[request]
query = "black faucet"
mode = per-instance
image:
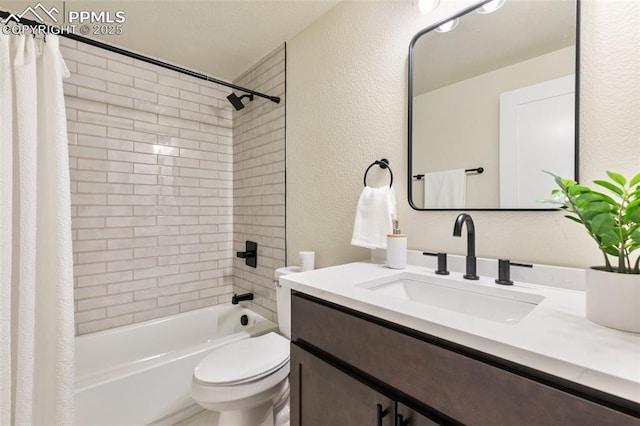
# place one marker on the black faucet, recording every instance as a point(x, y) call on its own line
point(471, 243)
point(241, 297)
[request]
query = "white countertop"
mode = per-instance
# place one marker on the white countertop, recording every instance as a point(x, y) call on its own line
point(555, 337)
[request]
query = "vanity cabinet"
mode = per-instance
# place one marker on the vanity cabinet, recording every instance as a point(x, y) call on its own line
point(329, 396)
point(345, 363)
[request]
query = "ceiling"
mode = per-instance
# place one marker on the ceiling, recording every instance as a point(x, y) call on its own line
point(220, 38)
point(520, 30)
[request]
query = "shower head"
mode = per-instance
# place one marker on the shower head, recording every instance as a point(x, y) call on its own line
point(237, 101)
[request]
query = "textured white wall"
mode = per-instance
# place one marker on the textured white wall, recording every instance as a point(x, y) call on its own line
point(347, 90)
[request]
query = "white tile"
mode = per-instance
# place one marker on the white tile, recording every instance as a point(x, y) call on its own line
point(156, 313)
point(107, 76)
point(132, 71)
point(132, 243)
point(132, 135)
point(132, 286)
point(98, 279)
point(114, 222)
point(112, 166)
point(143, 95)
point(96, 234)
point(132, 157)
point(104, 256)
point(178, 298)
point(175, 82)
point(156, 88)
point(86, 316)
point(179, 104)
point(105, 120)
point(130, 307)
point(86, 129)
point(102, 142)
point(178, 279)
point(105, 211)
point(108, 98)
point(132, 114)
point(104, 188)
point(156, 272)
point(101, 302)
point(104, 324)
point(138, 200)
point(114, 177)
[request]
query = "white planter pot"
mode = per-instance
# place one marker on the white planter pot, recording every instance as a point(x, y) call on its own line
point(613, 299)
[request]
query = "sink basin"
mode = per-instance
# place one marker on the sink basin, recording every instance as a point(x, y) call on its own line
point(469, 298)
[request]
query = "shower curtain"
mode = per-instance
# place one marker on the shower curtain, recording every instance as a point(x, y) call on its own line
point(36, 264)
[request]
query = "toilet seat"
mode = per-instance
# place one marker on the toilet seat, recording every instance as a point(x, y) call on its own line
point(243, 361)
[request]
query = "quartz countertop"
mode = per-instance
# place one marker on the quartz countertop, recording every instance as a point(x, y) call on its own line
point(555, 337)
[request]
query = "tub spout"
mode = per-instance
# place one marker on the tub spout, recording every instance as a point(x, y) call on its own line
point(241, 297)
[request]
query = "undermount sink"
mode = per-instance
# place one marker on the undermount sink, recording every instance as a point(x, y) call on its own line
point(469, 298)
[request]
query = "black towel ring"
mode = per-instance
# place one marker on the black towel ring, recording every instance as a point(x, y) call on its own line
point(384, 164)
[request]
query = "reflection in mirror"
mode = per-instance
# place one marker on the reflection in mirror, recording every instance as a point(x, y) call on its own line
point(497, 92)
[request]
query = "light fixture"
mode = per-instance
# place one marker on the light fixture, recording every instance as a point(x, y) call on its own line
point(490, 7)
point(448, 26)
point(426, 6)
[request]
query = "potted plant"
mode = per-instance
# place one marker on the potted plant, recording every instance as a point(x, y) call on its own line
point(612, 219)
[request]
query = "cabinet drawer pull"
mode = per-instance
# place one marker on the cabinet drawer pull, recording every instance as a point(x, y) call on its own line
point(381, 414)
point(400, 421)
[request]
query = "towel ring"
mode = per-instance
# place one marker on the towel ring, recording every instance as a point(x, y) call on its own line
point(384, 164)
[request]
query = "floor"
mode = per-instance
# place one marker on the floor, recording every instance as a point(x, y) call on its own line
point(203, 418)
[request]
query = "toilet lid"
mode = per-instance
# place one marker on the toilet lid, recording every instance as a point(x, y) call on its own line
point(244, 360)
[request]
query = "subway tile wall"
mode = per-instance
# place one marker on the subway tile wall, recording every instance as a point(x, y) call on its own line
point(259, 181)
point(152, 160)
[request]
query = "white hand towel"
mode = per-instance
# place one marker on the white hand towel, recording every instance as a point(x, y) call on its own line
point(374, 217)
point(447, 189)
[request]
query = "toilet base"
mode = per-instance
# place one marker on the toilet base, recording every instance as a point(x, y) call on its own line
point(261, 415)
point(270, 411)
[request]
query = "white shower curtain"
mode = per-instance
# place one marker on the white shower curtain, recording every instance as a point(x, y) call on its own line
point(36, 264)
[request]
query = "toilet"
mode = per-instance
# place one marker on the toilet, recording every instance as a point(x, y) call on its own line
point(247, 381)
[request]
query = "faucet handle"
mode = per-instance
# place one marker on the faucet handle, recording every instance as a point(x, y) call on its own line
point(504, 271)
point(442, 262)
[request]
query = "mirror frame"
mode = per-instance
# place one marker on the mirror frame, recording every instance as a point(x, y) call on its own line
point(410, 65)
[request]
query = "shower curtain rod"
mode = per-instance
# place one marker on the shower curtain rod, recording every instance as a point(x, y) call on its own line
point(105, 46)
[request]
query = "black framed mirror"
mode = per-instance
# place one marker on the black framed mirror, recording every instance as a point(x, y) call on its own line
point(492, 103)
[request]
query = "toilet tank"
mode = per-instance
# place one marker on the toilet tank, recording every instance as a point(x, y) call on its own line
point(283, 300)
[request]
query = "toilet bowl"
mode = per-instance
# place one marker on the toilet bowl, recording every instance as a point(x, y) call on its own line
point(247, 381)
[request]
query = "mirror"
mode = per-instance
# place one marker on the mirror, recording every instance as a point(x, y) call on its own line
point(492, 103)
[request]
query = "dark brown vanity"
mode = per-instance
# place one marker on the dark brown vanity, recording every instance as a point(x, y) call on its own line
point(350, 368)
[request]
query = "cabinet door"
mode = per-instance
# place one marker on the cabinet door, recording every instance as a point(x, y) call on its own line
point(322, 395)
point(405, 416)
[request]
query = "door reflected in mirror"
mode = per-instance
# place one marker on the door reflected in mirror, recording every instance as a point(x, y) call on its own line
point(497, 92)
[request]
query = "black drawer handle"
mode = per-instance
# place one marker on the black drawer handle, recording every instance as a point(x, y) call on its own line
point(400, 421)
point(381, 414)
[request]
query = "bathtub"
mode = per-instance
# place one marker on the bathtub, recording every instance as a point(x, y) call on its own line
point(141, 374)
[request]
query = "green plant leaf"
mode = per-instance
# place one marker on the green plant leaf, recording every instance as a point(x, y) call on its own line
point(573, 218)
point(601, 197)
point(611, 250)
point(603, 224)
point(635, 180)
point(611, 187)
point(610, 239)
point(617, 177)
point(632, 216)
point(574, 190)
point(635, 236)
point(598, 206)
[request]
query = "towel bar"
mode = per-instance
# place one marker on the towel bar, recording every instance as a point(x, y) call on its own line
point(384, 164)
point(478, 170)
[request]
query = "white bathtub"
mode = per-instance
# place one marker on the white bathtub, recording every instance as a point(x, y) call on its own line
point(141, 374)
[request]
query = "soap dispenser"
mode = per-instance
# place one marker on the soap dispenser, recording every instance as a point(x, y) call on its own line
point(396, 248)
